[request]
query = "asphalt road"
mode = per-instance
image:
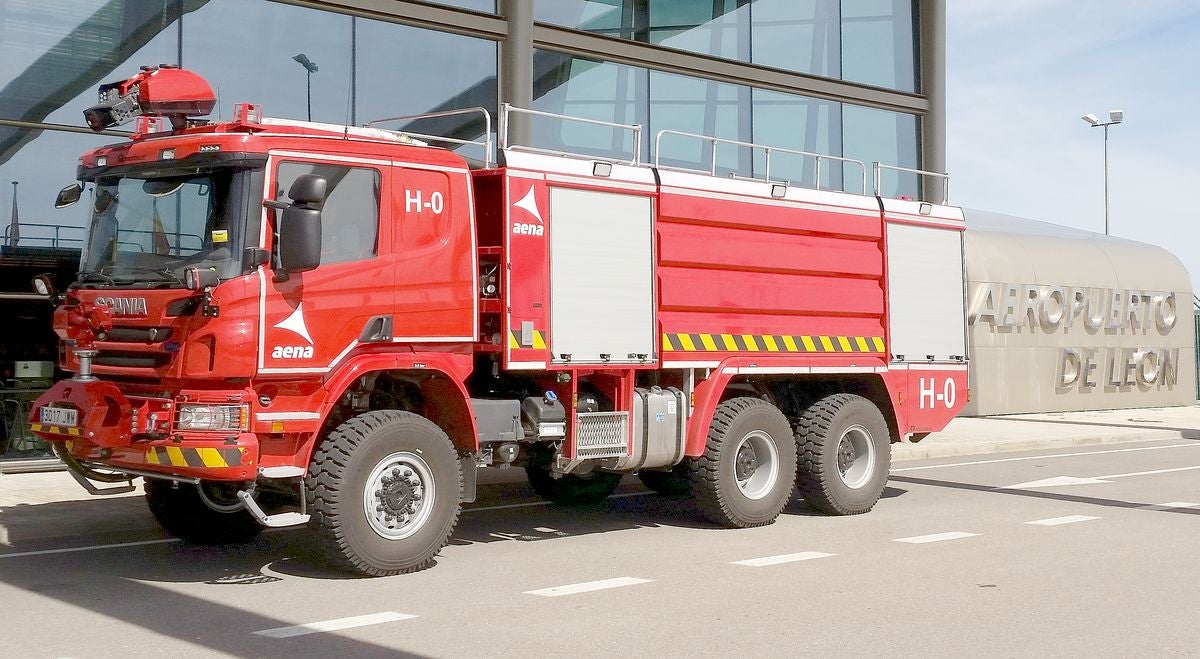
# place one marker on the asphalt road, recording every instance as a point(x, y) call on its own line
point(1093, 555)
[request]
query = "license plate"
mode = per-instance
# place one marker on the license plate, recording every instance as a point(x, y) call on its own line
point(59, 416)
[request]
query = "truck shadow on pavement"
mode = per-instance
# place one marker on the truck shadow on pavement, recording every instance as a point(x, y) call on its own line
point(1140, 424)
point(122, 587)
point(1055, 496)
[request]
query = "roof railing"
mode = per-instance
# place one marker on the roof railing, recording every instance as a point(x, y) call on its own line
point(504, 142)
point(877, 171)
point(766, 149)
point(486, 142)
point(507, 110)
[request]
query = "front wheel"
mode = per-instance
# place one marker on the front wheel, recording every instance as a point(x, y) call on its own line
point(385, 492)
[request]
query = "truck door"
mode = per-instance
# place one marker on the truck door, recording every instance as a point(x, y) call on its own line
point(310, 321)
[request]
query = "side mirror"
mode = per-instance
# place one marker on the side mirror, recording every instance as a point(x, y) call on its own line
point(68, 196)
point(299, 239)
point(299, 228)
point(308, 190)
point(44, 285)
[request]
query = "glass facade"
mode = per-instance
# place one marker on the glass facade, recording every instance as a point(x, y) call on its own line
point(865, 41)
point(661, 101)
point(55, 53)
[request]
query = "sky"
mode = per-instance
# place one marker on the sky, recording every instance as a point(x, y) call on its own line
point(1021, 73)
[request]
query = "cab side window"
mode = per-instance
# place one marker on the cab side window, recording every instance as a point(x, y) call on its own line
point(350, 216)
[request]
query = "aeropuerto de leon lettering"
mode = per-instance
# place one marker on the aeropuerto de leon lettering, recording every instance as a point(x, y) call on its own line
point(1092, 311)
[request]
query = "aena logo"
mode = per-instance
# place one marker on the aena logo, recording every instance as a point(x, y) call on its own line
point(528, 203)
point(294, 324)
point(292, 352)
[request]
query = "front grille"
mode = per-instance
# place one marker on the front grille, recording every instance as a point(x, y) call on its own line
point(138, 334)
point(602, 434)
point(131, 359)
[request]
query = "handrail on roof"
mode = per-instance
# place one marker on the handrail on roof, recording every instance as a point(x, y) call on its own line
point(877, 170)
point(505, 123)
point(767, 150)
point(486, 143)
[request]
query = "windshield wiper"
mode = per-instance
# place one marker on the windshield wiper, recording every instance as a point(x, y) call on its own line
point(98, 275)
point(168, 274)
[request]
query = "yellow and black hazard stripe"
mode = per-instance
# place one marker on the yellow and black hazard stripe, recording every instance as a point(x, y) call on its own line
point(56, 430)
point(199, 458)
point(770, 343)
point(514, 340)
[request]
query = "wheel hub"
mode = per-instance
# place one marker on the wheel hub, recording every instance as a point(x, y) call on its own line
point(855, 457)
point(397, 498)
point(400, 493)
point(845, 456)
point(747, 462)
point(756, 465)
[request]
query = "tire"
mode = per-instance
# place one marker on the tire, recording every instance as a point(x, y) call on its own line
point(744, 479)
point(385, 490)
point(569, 489)
point(845, 454)
point(182, 512)
point(672, 483)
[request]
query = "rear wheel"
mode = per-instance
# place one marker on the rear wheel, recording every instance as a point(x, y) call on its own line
point(206, 514)
point(385, 492)
point(744, 478)
point(845, 454)
point(568, 489)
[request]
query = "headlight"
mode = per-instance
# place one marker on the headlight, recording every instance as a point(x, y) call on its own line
point(215, 418)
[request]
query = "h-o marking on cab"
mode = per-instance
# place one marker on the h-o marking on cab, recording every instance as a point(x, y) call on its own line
point(415, 202)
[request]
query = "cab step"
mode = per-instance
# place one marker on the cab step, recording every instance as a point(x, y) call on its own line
point(277, 520)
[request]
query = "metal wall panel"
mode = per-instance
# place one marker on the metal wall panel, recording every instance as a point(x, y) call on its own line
point(1055, 326)
point(925, 296)
point(601, 276)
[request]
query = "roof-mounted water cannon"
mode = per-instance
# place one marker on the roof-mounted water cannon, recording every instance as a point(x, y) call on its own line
point(159, 91)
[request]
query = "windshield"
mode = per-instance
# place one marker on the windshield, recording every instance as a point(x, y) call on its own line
point(151, 229)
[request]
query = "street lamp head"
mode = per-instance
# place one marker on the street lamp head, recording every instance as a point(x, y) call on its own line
point(1116, 116)
point(308, 64)
point(1091, 119)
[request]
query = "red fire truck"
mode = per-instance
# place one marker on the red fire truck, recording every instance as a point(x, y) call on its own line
point(284, 323)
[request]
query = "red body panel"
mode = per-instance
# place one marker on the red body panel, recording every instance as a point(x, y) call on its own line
point(527, 236)
point(768, 268)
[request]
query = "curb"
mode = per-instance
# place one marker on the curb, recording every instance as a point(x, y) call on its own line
point(948, 448)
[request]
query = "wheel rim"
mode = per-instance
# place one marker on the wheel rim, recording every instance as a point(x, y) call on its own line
point(399, 495)
point(855, 457)
point(756, 464)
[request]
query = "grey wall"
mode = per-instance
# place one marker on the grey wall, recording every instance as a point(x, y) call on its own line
point(1107, 323)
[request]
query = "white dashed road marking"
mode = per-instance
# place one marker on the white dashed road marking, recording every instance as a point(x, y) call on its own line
point(587, 586)
point(334, 625)
point(936, 537)
point(783, 558)
point(1059, 521)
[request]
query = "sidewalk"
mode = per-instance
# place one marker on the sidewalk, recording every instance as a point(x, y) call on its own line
point(964, 436)
point(1025, 432)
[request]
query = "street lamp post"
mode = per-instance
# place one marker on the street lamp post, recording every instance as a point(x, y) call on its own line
point(1114, 117)
point(311, 68)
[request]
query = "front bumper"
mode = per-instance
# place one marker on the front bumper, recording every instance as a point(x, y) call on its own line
point(116, 431)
